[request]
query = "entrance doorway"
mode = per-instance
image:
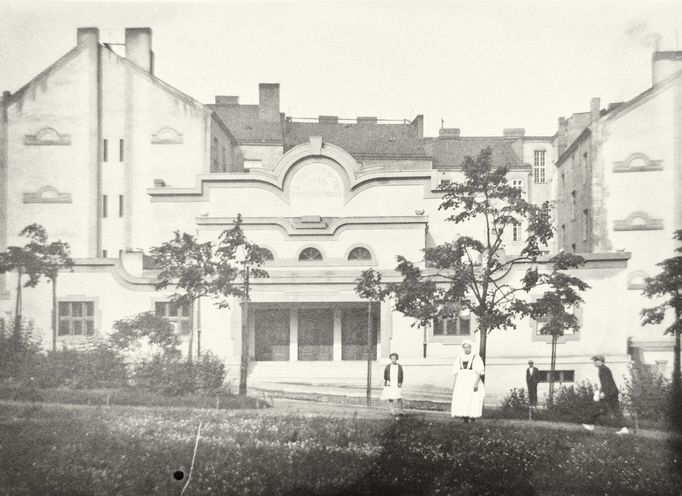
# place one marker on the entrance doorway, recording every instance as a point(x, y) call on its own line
point(315, 334)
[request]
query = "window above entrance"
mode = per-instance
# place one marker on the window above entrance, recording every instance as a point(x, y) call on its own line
point(359, 253)
point(310, 254)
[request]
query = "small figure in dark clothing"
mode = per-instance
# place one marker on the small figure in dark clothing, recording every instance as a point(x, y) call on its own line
point(532, 379)
point(606, 396)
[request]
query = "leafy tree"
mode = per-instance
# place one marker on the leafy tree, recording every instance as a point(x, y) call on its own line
point(132, 332)
point(667, 285)
point(188, 265)
point(218, 271)
point(369, 287)
point(25, 260)
point(238, 259)
point(471, 274)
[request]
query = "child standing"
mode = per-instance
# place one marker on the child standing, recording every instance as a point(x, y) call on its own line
point(393, 382)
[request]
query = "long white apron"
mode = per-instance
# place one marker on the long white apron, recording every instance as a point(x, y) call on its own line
point(465, 401)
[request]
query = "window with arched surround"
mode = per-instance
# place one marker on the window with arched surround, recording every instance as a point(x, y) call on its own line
point(267, 255)
point(359, 253)
point(310, 254)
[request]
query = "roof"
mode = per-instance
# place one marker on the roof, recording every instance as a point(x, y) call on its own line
point(449, 153)
point(360, 140)
point(246, 125)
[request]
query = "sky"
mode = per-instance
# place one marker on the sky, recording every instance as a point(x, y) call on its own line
point(477, 65)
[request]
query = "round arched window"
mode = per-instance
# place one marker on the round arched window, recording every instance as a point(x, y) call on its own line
point(267, 255)
point(310, 255)
point(359, 253)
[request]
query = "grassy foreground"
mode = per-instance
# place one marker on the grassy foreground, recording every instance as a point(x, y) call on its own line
point(78, 450)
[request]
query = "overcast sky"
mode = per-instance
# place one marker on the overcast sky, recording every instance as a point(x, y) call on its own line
point(478, 65)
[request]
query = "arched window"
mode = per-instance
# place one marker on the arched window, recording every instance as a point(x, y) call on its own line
point(267, 255)
point(359, 253)
point(310, 255)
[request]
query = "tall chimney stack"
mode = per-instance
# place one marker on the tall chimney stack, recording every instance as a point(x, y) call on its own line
point(268, 101)
point(665, 64)
point(595, 110)
point(139, 48)
point(87, 35)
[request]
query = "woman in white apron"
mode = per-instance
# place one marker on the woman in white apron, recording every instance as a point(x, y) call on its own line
point(469, 390)
point(393, 383)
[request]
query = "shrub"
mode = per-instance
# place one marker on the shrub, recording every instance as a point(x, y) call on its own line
point(515, 403)
point(97, 367)
point(647, 393)
point(573, 403)
point(18, 350)
point(146, 330)
point(174, 377)
point(210, 372)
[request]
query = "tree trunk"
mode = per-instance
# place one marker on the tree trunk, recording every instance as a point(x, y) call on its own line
point(54, 314)
point(552, 367)
point(676, 396)
point(17, 306)
point(244, 368)
point(191, 331)
point(369, 355)
point(483, 344)
point(198, 328)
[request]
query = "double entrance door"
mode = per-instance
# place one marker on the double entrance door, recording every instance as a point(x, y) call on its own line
point(319, 331)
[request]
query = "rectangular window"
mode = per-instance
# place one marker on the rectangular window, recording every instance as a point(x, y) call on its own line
point(105, 150)
point(584, 167)
point(586, 220)
point(539, 166)
point(224, 160)
point(120, 205)
point(271, 334)
point(574, 205)
point(516, 233)
point(105, 210)
point(120, 150)
point(459, 326)
point(559, 375)
point(120, 253)
point(517, 183)
point(104, 253)
point(562, 239)
point(76, 318)
point(573, 247)
point(354, 332)
point(562, 186)
point(177, 313)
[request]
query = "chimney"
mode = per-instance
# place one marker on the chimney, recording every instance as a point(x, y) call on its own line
point(366, 120)
point(328, 119)
point(86, 36)
point(594, 110)
point(665, 64)
point(268, 102)
point(513, 132)
point(226, 100)
point(139, 48)
point(418, 123)
point(562, 139)
point(449, 132)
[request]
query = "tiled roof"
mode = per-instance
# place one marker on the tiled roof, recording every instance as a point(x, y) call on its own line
point(449, 153)
point(246, 125)
point(360, 140)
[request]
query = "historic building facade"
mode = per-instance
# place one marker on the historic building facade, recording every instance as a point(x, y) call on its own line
point(112, 160)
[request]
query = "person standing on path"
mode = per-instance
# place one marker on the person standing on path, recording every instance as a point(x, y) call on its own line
point(532, 379)
point(468, 390)
point(393, 383)
point(606, 397)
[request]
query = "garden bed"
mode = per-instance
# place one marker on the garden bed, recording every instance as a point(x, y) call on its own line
point(54, 449)
point(128, 397)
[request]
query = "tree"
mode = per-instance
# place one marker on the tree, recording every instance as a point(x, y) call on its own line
point(470, 274)
point(217, 271)
point(188, 265)
point(667, 285)
point(369, 287)
point(238, 260)
point(146, 328)
point(54, 257)
point(555, 309)
point(25, 260)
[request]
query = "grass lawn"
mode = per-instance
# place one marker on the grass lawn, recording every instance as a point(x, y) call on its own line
point(96, 450)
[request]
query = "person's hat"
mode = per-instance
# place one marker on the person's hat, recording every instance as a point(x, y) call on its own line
point(598, 357)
